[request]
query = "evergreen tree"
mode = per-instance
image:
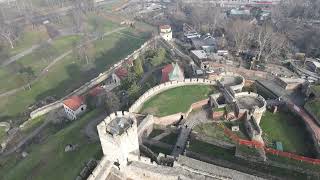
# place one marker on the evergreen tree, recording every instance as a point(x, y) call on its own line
point(138, 69)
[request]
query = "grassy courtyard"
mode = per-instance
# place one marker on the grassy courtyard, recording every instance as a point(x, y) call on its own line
point(47, 160)
point(288, 129)
point(211, 131)
point(176, 100)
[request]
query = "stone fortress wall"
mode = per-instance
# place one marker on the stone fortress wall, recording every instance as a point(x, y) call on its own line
point(94, 82)
point(257, 111)
point(136, 166)
point(135, 108)
point(116, 147)
point(237, 86)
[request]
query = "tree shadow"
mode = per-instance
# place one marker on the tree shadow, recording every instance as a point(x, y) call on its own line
point(78, 76)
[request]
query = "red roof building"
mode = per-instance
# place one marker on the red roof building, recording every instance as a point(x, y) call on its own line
point(74, 107)
point(172, 72)
point(165, 73)
point(74, 102)
point(121, 72)
point(96, 91)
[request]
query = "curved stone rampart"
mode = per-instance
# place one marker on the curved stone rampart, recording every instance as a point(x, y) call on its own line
point(237, 87)
point(135, 108)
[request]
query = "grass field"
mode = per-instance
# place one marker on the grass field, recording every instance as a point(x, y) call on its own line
point(170, 139)
point(43, 56)
point(288, 129)
point(228, 155)
point(313, 106)
point(48, 160)
point(2, 133)
point(69, 73)
point(176, 100)
point(28, 38)
point(155, 132)
point(211, 131)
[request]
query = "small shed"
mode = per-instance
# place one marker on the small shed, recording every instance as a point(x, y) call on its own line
point(279, 146)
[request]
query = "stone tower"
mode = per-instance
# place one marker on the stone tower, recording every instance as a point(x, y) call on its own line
point(119, 137)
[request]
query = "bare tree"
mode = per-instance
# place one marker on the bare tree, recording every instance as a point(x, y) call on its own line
point(206, 19)
point(85, 49)
point(241, 33)
point(9, 32)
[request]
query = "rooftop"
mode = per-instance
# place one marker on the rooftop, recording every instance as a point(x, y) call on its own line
point(121, 72)
point(74, 102)
point(165, 26)
point(119, 125)
point(96, 91)
point(201, 54)
point(204, 41)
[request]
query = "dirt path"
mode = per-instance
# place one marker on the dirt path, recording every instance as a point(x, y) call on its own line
point(22, 54)
point(46, 69)
point(91, 128)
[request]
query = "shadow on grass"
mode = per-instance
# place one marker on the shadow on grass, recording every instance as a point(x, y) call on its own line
point(105, 60)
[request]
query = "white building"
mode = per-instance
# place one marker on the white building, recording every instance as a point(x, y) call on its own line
point(74, 107)
point(119, 137)
point(166, 32)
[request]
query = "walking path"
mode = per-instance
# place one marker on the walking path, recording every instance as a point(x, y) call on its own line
point(191, 121)
point(46, 69)
point(91, 128)
point(26, 139)
point(22, 54)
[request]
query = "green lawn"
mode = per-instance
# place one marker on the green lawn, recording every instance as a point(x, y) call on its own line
point(28, 38)
point(2, 133)
point(176, 100)
point(170, 139)
point(293, 162)
point(228, 155)
point(37, 60)
point(211, 131)
point(69, 74)
point(288, 129)
point(48, 159)
point(158, 150)
point(155, 132)
point(32, 124)
point(314, 107)
point(211, 150)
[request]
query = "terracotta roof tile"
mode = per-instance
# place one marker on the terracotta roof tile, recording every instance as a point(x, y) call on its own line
point(97, 90)
point(121, 72)
point(74, 102)
point(165, 73)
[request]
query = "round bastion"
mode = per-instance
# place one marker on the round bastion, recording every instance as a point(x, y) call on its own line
point(253, 102)
point(233, 80)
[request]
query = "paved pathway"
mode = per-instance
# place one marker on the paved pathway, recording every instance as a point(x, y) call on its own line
point(193, 120)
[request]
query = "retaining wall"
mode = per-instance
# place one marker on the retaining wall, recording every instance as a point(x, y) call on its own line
point(258, 145)
point(135, 108)
point(92, 83)
point(173, 118)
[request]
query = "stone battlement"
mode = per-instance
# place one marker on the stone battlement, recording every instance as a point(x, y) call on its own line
point(165, 86)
